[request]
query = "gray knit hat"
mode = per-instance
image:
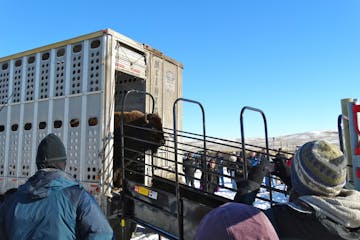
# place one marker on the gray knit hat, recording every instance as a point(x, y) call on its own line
point(318, 168)
point(51, 153)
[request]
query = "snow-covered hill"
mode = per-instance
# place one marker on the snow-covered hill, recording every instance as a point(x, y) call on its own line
point(286, 142)
point(291, 141)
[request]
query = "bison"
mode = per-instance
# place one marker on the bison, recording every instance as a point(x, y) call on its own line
point(142, 132)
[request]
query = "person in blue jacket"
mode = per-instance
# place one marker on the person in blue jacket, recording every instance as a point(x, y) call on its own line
point(51, 204)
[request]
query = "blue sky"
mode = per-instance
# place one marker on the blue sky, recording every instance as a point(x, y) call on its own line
point(294, 60)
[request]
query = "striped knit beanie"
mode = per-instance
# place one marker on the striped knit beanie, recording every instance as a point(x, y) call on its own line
point(318, 168)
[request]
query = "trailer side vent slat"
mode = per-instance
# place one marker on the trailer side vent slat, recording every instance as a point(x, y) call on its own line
point(44, 75)
point(17, 81)
point(76, 69)
point(30, 79)
point(94, 71)
point(60, 72)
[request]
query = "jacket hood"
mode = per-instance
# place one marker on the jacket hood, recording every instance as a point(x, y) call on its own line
point(46, 180)
point(341, 214)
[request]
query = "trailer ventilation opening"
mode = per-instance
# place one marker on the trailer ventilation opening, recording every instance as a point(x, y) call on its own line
point(14, 127)
point(57, 124)
point(74, 122)
point(93, 121)
point(27, 126)
point(42, 125)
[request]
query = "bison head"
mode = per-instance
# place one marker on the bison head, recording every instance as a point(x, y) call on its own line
point(155, 134)
point(142, 132)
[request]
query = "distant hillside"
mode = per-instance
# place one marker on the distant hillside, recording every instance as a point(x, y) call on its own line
point(290, 142)
point(287, 142)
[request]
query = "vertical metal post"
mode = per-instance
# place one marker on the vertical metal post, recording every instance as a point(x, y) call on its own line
point(340, 133)
point(354, 134)
point(243, 140)
point(346, 136)
point(123, 221)
point(179, 210)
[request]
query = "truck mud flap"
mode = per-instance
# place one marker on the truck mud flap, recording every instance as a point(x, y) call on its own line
point(152, 206)
point(193, 212)
point(157, 209)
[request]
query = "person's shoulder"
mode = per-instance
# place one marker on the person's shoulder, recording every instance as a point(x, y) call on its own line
point(74, 193)
point(290, 208)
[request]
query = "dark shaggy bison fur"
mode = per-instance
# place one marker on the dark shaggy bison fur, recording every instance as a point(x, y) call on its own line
point(142, 132)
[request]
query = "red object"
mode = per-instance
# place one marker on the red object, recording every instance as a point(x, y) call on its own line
point(358, 172)
point(357, 150)
point(288, 162)
point(356, 110)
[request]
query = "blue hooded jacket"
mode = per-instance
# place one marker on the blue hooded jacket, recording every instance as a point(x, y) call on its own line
point(52, 205)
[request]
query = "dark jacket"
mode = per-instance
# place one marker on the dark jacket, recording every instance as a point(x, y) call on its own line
point(301, 222)
point(247, 189)
point(307, 217)
point(212, 180)
point(189, 166)
point(52, 205)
